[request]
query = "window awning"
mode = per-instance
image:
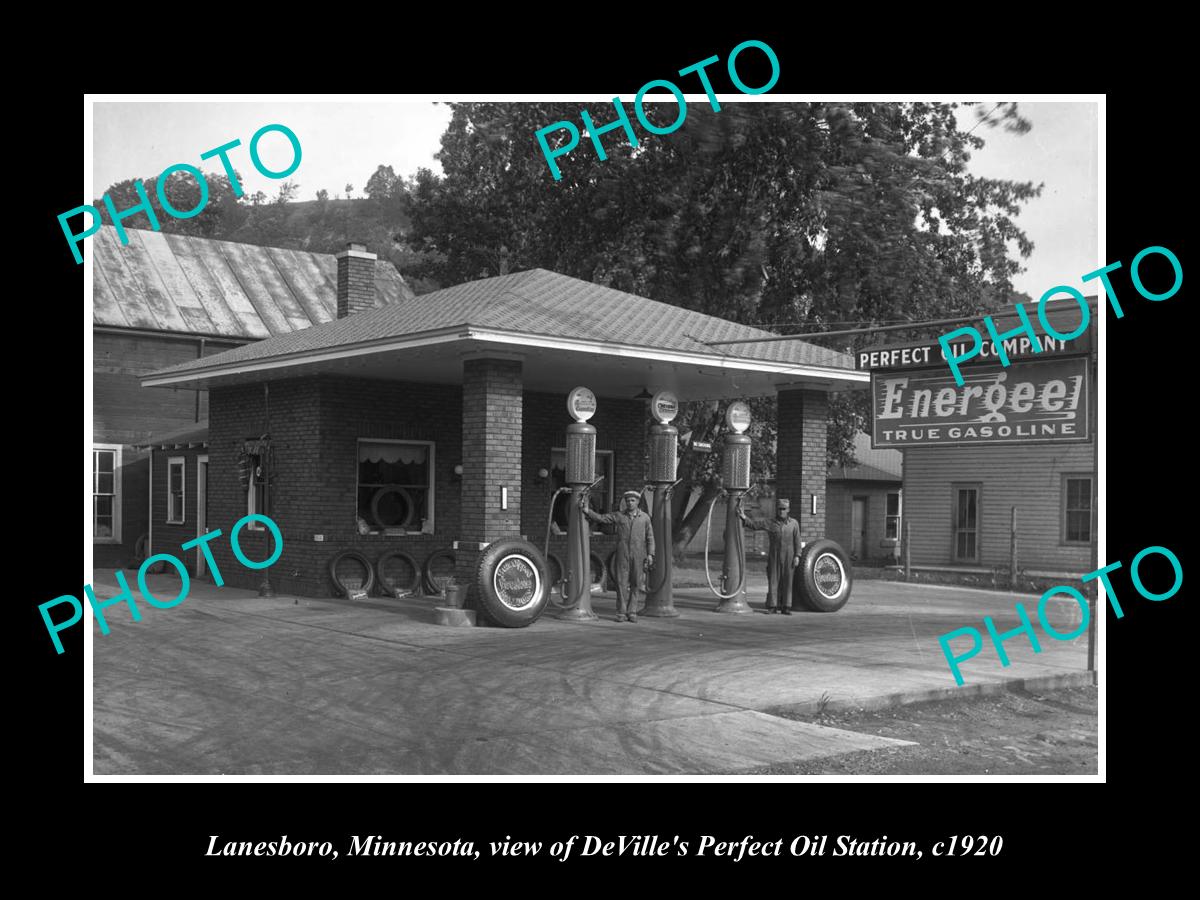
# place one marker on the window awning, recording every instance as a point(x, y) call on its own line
point(391, 453)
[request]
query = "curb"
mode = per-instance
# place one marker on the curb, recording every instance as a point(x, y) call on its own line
point(867, 704)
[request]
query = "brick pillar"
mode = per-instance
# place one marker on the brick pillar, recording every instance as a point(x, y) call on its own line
point(355, 280)
point(491, 459)
point(800, 457)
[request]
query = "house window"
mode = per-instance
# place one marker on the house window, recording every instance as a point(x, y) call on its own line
point(966, 522)
point(891, 519)
point(1077, 509)
point(175, 496)
point(601, 498)
point(395, 487)
point(106, 493)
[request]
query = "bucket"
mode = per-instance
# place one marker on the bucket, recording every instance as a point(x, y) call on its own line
point(456, 595)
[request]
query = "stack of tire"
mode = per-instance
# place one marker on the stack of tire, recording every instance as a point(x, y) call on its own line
point(514, 578)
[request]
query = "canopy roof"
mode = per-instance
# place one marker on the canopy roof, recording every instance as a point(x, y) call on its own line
point(566, 331)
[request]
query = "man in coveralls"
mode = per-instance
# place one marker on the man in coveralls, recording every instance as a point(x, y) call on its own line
point(782, 557)
point(635, 552)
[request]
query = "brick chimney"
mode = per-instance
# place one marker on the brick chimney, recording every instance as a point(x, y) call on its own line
point(355, 280)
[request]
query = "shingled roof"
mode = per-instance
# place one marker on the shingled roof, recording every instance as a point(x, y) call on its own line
point(534, 302)
point(871, 465)
point(191, 285)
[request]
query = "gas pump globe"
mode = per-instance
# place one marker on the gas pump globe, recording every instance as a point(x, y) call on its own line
point(664, 441)
point(581, 472)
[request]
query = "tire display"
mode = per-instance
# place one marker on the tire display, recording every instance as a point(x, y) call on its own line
point(435, 581)
point(393, 507)
point(600, 573)
point(397, 570)
point(514, 583)
point(824, 576)
point(339, 580)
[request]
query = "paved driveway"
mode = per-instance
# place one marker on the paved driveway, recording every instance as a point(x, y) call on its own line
point(229, 683)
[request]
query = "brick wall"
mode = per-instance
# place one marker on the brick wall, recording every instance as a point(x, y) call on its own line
point(355, 281)
point(800, 457)
point(358, 408)
point(491, 427)
point(316, 424)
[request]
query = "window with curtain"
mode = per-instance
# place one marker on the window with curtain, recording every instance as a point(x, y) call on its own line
point(395, 487)
point(106, 494)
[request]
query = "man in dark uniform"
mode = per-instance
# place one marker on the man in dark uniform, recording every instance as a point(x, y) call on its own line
point(783, 555)
point(635, 552)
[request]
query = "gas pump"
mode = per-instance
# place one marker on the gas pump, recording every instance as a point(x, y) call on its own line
point(735, 475)
point(581, 477)
point(664, 440)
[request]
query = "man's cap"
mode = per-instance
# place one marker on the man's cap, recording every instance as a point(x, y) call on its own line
point(636, 495)
point(787, 504)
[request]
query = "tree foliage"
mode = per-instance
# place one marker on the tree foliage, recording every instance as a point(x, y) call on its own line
point(791, 216)
point(322, 225)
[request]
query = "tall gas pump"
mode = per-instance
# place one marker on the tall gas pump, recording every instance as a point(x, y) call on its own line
point(664, 441)
point(581, 477)
point(735, 475)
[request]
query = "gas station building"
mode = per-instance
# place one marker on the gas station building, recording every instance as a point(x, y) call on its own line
point(449, 410)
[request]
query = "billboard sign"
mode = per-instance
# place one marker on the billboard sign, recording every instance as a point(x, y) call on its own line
point(1027, 402)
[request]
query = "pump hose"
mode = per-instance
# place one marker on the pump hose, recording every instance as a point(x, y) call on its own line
point(740, 549)
point(546, 546)
point(663, 580)
point(566, 574)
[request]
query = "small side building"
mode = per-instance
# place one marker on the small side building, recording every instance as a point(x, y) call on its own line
point(178, 486)
point(866, 503)
point(1002, 467)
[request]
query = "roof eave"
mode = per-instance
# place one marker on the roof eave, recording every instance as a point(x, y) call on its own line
point(847, 377)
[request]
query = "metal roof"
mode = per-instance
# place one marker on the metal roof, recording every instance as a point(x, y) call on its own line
point(178, 283)
point(537, 303)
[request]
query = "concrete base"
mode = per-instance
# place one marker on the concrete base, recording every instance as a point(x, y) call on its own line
point(658, 612)
point(576, 615)
point(452, 615)
point(736, 606)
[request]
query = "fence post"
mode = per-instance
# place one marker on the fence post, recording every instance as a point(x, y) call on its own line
point(907, 552)
point(1012, 553)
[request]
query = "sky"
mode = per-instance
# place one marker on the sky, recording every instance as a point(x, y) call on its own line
point(1060, 150)
point(342, 143)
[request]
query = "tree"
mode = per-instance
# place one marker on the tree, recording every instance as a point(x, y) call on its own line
point(288, 192)
point(322, 196)
point(383, 184)
point(808, 214)
point(183, 195)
